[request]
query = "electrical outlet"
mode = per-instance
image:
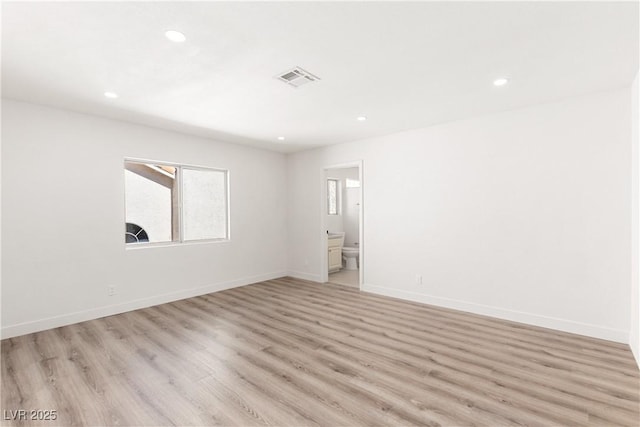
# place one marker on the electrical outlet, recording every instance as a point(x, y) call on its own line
point(418, 279)
point(111, 290)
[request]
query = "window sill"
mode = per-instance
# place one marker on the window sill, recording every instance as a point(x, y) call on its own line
point(138, 246)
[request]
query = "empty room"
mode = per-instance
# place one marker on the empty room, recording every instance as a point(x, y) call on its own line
point(320, 213)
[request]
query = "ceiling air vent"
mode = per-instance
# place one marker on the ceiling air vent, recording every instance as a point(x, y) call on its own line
point(297, 77)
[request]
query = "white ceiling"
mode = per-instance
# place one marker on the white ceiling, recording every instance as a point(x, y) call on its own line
point(402, 64)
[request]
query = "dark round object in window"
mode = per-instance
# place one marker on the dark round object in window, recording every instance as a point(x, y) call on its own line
point(135, 234)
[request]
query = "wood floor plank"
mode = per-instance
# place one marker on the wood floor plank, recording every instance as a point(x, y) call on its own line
point(416, 361)
point(310, 377)
point(446, 347)
point(288, 352)
point(413, 319)
point(448, 319)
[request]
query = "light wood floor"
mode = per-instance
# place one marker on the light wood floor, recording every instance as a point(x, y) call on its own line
point(292, 353)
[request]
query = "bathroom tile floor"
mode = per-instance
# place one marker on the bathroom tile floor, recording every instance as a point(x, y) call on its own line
point(346, 277)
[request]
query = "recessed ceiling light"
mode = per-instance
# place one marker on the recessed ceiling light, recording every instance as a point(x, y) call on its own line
point(281, 138)
point(175, 36)
point(361, 118)
point(501, 81)
point(111, 95)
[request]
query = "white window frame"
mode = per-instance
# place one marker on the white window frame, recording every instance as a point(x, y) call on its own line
point(181, 241)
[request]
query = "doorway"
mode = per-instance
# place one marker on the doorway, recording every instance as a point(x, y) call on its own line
point(342, 224)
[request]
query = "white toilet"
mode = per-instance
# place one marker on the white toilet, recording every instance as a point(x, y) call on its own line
point(350, 255)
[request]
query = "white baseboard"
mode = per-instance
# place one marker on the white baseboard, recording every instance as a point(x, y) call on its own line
point(95, 313)
point(564, 325)
point(305, 276)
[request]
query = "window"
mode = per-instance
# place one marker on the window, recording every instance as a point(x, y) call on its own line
point(332, 196)
point(352, 183)
point(173, 203)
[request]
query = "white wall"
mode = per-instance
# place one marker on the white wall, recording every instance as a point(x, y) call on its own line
point(522, 215)
point(634, 335)
point(63, 219)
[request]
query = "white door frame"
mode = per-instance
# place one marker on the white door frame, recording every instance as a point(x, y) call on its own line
point(324, 267)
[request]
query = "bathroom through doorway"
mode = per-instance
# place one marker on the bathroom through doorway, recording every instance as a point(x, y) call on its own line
point(342, 213)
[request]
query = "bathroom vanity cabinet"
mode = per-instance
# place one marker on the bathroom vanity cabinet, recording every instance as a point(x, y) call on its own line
point(335, 254)
point(335, 259)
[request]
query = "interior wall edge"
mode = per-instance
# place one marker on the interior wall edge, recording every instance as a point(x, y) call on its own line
point(564, 325)
point(634, 330)
point(110, 310)
point(635, 353)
